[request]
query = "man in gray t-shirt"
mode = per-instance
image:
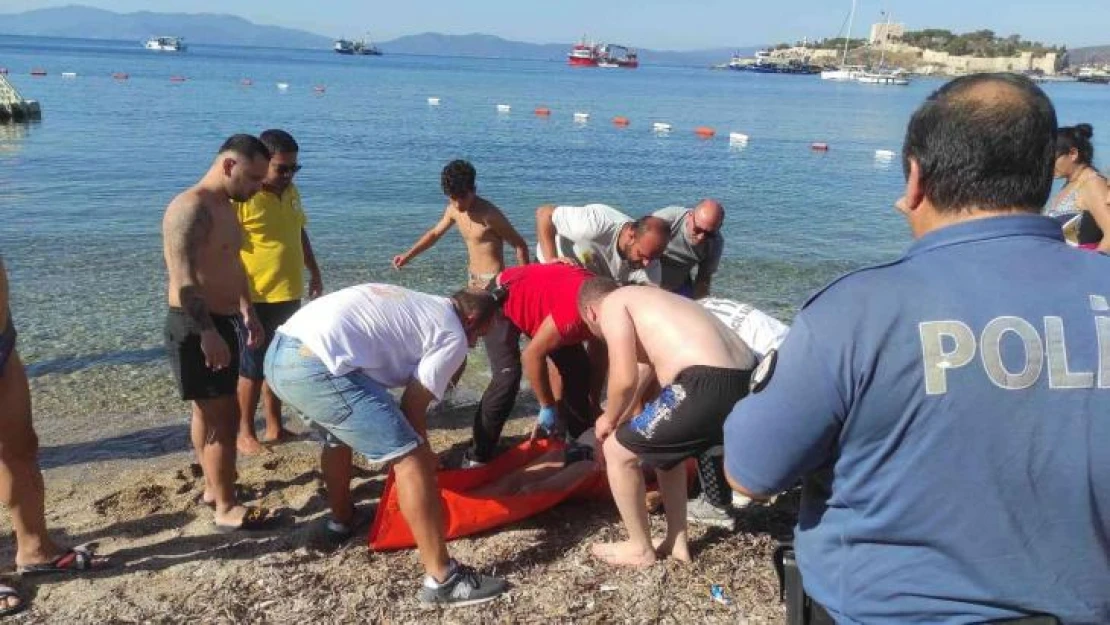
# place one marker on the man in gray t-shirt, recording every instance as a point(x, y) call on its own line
point(696, 242)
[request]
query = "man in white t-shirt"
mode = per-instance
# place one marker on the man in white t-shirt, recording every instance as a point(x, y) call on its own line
point(604, 240)
point(335, 360)
point(762, 333)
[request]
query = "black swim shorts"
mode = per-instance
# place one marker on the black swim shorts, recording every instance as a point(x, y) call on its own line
point(194, 379)
point(688, 417)
point(271, 316)
point(7, 343)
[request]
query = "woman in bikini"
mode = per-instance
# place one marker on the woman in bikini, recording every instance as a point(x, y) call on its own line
point(1081, 206)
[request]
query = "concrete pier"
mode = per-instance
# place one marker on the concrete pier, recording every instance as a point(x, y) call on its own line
point(13, 107)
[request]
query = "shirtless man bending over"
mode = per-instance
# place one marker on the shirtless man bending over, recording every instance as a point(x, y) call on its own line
point(482, 225)
point(207, 294)
point(703, 368)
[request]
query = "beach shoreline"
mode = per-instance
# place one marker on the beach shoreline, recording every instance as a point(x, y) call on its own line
point(126, 480)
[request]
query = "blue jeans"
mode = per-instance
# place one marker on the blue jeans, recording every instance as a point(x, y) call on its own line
point(350, 409)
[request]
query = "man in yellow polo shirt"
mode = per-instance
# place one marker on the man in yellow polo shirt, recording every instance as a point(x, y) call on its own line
point(275, 252)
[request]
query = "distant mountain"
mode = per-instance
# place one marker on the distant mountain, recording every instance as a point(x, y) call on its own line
point(89, 23)
point(490, 46)
point(83, 22)
point(1095, 54)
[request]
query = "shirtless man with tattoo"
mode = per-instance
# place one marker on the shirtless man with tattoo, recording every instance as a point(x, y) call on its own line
point(209, 311)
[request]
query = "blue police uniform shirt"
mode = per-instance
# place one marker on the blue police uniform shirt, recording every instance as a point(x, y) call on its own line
point(951, 414)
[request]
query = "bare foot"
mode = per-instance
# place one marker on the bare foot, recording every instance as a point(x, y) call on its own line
point(250, 446)
point(623, 554)
point(276, 437)
point(669, 548)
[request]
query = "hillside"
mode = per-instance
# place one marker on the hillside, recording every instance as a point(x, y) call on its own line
point(1095, 54)
point(490, 46)
point(89, 23)
point(209, 28)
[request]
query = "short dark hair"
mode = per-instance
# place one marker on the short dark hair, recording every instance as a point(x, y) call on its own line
point(458, 178)
point(986, 141)
point(247, 146)
point(1077, 137)
point(594, 289)
point(650, 223)
point(478, 302)
point(279, 142)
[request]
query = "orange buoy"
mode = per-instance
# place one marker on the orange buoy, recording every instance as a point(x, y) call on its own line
point(621, 121)
point(120, 76)
point(704, 132)
point(177, 79)
point(38, 72)
point(543, 111)
point(819, 147)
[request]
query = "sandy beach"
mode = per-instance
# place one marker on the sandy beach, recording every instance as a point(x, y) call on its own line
point(127, 481)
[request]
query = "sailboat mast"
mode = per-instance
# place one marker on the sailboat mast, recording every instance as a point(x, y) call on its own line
point(848, 39)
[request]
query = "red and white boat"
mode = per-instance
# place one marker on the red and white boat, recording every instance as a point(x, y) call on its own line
point(589, 54)
point(583, 54)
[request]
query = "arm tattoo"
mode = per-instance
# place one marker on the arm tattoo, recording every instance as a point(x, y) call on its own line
point(186, 234)
point(195, 307)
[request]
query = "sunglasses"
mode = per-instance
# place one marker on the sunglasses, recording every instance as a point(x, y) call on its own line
point(287, 169)
point(699, 231)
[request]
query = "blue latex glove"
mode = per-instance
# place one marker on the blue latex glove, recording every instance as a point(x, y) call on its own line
point(546, 422)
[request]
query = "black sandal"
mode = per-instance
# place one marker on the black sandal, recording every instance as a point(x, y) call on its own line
point(255, 520)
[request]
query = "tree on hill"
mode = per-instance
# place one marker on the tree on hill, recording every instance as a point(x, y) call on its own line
point(981, 43)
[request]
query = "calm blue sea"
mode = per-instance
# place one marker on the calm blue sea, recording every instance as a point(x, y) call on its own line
point(82, 192)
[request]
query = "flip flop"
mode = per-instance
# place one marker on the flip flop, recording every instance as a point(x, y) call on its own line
point(339, 533)
point(6, 592)
point(255, 520)
point(75, 560)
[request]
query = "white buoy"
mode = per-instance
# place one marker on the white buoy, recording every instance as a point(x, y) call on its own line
point(661, 127)
point(69, 74)
point(433, 101)
point(884, 155)
point(504, 108)
point(581, 117)
point(283, 86)
point(737, 137)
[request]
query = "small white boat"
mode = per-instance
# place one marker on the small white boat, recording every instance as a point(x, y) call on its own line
point(845, 73)
point(504, 108)
point(882, 78)
point(282, 86)
point(433, 101)
point(165, 44)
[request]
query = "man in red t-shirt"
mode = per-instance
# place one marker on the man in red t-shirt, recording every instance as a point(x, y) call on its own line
point(541, 303)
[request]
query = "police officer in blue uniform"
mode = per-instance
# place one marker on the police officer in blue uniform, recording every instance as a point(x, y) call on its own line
point(950, 411)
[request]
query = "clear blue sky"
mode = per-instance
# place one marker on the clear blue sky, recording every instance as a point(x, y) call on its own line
point(688, 24)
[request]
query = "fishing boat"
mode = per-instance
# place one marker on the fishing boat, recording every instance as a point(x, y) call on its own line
point(764, 63)
point(361, 47)
point(165, 44)
point(589, 54)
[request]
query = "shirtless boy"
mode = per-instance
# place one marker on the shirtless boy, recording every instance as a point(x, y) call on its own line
point(209, 303)
point(703, 369)
point(482, 225)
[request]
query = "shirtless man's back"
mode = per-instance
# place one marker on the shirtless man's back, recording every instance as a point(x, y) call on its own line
point(207, 293)
point(483, 227)
point(704, 369)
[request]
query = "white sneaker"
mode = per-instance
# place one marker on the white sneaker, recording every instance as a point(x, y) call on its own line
point(701, 512)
